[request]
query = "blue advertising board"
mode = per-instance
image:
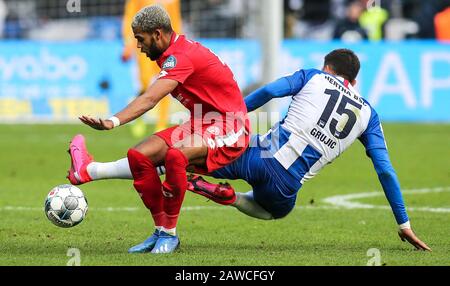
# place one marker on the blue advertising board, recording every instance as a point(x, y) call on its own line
point(59, 81)
point(404, 81)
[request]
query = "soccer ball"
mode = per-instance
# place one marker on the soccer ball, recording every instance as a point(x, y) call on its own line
point(66, 206)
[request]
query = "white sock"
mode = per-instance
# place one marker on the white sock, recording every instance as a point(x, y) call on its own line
point(113, 170)
point(161, 170)
point(246, 204)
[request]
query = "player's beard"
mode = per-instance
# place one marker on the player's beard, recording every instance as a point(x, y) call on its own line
point(153, 52)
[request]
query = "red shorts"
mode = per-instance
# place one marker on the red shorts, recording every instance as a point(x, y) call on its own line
point(226, 140)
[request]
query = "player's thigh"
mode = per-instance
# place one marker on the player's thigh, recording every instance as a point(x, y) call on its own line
point(246, 167)
point(194, 148)
point(268, 196)
point(154, 147)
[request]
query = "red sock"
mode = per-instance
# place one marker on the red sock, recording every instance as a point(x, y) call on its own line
point(175, 185)
point(147, 184)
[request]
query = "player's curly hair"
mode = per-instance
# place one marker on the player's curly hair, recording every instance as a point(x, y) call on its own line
point(343, 62)
point(150, 18)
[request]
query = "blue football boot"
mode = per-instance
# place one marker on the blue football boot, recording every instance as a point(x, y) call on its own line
point(166, 243)
point(147, 245)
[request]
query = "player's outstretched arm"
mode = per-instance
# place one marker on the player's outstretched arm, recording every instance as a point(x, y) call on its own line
point(285, 86)
point(261, 96)
point(375, 144)
point(136, 108)
point(391, 187)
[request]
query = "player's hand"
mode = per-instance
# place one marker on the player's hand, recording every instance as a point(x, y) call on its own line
point(408, 235)
point(98, 124)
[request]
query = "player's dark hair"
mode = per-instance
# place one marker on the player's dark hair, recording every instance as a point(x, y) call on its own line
point(343, 62)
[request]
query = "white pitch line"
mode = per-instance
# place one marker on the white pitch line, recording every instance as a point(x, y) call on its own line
point(131, 209)
point(332, 203)
point(346, 201)
point(107, 209)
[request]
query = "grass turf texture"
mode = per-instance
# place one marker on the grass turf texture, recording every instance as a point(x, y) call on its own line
point(34, 159)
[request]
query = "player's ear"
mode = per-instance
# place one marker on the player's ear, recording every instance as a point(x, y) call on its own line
point(158, 34)
point(353, 83)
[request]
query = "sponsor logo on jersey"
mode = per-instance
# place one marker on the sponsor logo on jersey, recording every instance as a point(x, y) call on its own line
point(170, 63)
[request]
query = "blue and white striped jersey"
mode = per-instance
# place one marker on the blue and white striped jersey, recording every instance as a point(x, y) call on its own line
point(325, 117)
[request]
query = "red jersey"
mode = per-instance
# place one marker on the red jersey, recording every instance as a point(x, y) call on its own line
point(206, 82)
point(203, 78)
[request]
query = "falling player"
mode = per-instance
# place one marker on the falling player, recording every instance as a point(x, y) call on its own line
point(325, 117)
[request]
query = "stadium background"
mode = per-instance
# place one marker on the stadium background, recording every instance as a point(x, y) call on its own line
point(56, 64)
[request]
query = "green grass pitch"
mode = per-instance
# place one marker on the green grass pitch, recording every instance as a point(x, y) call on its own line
point(34, 159)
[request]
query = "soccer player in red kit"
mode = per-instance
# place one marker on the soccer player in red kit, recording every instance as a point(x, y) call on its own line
point(216, 134)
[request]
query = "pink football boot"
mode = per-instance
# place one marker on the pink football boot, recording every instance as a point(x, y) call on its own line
point(220, 193)
point(80, 159)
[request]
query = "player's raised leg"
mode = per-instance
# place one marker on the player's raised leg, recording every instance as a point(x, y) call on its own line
point(83, 169)
point(224, 194)
point(268, 199)
point(263, 202)
point(80, 159)
point(139, 165)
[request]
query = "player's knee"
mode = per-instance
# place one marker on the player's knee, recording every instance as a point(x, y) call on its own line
point(154, 148)
point(174, 157)
point(281, 213)
point(138, 162)
point(279, 216)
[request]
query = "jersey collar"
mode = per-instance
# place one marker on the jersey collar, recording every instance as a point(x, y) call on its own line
point(174, 38)
point(342, 80)
point(346, 83)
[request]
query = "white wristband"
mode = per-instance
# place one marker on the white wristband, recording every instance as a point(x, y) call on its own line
point(115, 121)
point(406, 225)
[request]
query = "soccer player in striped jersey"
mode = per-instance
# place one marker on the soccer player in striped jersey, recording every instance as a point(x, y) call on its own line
point(325, 117)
